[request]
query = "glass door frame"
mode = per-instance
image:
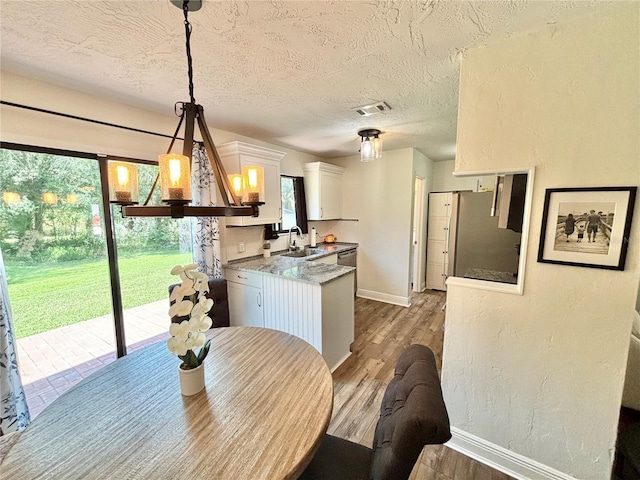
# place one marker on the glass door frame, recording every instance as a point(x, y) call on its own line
point(112, 254)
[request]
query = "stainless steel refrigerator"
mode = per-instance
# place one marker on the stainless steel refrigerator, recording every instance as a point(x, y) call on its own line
point(477, 247)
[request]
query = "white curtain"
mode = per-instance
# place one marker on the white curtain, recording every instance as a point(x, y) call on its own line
point(205, 231)
point(14, 413)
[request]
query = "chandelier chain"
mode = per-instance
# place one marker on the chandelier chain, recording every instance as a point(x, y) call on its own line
point(187, 31)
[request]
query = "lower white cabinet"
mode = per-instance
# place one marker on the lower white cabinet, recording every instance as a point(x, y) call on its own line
point(322, 315)
point(245, 298)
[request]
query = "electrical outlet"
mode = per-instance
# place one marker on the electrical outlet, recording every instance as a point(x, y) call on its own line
point(241, 247)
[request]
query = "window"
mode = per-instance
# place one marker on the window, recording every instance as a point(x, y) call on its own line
point(294, 206)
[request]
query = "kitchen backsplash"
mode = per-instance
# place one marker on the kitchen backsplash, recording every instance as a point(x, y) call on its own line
point(252, 238)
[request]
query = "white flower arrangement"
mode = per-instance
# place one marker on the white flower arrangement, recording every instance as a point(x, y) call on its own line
point(188, 334)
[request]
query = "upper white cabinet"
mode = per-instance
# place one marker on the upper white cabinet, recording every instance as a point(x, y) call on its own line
point(323, 186)
point(234, 156)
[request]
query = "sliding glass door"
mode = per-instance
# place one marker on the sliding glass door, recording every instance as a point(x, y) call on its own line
point(53, 242)
point(84, 288)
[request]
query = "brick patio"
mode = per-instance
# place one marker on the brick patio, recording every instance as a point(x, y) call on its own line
point(54, 361)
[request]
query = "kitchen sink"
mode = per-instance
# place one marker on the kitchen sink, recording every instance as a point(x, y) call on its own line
point(303, 253)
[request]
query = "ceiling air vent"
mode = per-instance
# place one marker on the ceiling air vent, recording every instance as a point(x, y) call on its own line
point(365, 111)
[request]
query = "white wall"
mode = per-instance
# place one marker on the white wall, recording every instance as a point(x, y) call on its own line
point(33, 128)
point(380, 195)
point(541, 374)
point(423, 168)
point(444, 181)
point(39, 129)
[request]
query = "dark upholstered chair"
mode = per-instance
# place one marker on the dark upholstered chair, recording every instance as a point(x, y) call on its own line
point(219, 313)
point(628, 451)
point(412, 415)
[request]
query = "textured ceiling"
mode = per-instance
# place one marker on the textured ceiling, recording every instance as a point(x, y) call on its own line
point(284, 72)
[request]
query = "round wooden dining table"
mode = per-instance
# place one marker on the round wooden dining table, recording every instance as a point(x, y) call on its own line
point(266, 405)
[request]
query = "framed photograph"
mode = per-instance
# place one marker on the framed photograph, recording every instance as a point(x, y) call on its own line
point(587, 227)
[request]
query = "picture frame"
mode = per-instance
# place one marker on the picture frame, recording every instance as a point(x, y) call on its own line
point(587, 227)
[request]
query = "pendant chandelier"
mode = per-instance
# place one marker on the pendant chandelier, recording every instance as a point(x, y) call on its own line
point(175, 170)
point(370, 145)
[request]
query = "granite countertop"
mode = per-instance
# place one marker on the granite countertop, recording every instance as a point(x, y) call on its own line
point(302, 269)
point(491, 275)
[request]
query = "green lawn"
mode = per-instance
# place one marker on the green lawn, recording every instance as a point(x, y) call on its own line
point(52, 295)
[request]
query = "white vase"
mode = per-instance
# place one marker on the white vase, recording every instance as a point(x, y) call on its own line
point(192, 380)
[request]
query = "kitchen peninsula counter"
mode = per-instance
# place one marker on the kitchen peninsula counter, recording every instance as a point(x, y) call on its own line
point(304, 269)
point(302, 296)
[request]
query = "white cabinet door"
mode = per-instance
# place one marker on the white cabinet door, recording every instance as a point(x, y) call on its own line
point(438, 228)
point(245, 305)
point(234, 156)
point(323, 188)
point(330, 196)
point(436, 276)
point(270, 212)
point(440, 204)
point(436, 265)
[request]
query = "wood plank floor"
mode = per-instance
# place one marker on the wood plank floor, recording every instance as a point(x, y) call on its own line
point(382, 331)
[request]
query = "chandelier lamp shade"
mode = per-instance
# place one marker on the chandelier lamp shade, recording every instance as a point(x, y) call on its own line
point(241, 194)
point(370, 145)
point(123, 183)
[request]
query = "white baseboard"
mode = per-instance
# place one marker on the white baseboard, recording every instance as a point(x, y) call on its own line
point(340, 362)
point(511, 463)
point(422, 288)
point(384, 297)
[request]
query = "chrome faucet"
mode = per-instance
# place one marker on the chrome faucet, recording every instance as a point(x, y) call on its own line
point(292, 246)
